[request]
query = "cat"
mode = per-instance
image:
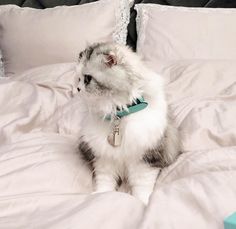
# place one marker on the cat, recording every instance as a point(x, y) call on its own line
point(125, 133)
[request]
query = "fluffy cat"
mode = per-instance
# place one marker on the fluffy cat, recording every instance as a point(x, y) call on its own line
point(111, 79)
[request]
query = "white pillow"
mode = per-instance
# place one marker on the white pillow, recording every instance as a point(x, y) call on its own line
point(177, 33)
point(34, 37)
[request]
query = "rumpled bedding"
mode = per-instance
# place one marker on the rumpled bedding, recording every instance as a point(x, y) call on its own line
point(44, 183)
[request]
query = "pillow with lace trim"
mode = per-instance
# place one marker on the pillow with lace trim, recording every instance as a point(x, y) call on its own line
point(35, 37)
point(168, 33)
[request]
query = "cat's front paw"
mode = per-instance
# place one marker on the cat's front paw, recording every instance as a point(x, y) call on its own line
point(103, 189)
point(144, 197)
point(96, 192)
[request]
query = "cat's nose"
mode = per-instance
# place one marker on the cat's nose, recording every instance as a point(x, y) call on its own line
point(87, 79)
point(78, 89)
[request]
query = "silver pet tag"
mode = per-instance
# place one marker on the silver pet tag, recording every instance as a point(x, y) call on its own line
point(114, 138)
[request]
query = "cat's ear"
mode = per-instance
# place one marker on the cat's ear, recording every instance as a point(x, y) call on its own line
point(80, 56)
point(110, 60)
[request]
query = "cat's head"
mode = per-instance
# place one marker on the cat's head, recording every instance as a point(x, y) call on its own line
point(109, 76)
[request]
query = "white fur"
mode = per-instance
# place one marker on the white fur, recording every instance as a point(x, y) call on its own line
point(140, 131)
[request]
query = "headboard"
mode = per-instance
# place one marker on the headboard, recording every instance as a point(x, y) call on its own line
point(132, 34)
point(42, 4)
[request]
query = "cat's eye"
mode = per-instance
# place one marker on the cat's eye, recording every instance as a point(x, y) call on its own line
point(80, 56)
point(87, 79)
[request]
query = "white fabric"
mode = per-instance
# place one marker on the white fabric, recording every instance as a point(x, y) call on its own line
point(44, 184)
point(35, 37)
point(122, 21)
point(179, 33)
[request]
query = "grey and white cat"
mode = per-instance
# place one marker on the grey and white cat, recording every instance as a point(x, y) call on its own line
point(111, 79)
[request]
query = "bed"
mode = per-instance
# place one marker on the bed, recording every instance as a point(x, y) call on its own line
point(45, 184)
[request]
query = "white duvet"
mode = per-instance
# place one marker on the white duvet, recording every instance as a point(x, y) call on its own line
point(43, 183)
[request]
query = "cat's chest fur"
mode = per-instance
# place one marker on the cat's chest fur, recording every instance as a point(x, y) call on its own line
point(139, 132)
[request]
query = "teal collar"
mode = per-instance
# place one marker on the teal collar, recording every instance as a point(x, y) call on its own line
point(136, 106)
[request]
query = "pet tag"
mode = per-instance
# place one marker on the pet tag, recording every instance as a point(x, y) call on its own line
point(114, 138)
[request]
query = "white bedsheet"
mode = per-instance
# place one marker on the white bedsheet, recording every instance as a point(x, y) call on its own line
point(44, 184)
